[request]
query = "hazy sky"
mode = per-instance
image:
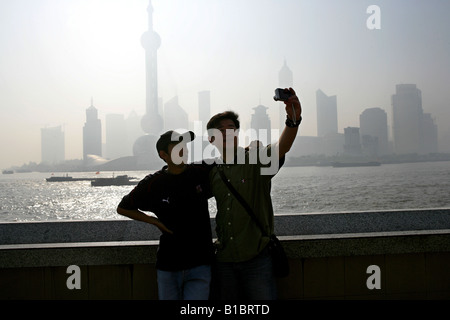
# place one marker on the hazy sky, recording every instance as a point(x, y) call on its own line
point(57, 54)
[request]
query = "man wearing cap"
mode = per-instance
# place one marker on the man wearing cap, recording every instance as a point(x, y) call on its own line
point(178, 196)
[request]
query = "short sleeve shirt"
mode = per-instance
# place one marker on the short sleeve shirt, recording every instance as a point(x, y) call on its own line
point(181, 203)
point(239, 237)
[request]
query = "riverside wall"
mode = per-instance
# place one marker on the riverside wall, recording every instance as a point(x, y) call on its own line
point(331, 257)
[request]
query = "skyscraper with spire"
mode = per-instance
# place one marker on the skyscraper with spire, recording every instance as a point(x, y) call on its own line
point(92, 133)
point(152, 123)
point(285, 80)
point(151, 41)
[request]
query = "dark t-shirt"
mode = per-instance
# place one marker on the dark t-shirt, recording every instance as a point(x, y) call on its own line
point(181, 203)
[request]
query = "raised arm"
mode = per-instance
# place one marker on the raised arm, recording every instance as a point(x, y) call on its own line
point(289, 133)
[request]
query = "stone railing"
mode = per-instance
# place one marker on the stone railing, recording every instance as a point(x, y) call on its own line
point(332, 256)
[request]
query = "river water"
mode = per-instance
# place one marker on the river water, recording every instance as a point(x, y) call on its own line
point(29, 197)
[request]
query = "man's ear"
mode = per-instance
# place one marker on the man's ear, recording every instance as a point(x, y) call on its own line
point(163, 155)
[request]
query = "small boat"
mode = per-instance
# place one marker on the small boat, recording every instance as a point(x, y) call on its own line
point(123, 180)
point(356, 164)
point(67, 178)
point(7, 171)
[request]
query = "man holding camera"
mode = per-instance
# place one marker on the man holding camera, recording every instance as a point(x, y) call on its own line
point(244, 266)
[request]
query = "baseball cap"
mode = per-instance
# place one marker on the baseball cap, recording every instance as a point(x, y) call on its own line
point(173, 137)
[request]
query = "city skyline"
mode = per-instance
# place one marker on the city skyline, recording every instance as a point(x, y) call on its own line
point(370, 138)
point(52, 64)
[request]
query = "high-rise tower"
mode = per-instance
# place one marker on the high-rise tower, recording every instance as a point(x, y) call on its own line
point(152, 123)
point(373, 123)
point(414, 131)
point(327, 121)
point(52, 145)
point(285, 80)
point(92, 133)
point(407, 115)
point(260, 124)
point(151, 41)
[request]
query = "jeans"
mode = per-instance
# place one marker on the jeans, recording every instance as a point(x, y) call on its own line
point(189, 284)
point(250, 280)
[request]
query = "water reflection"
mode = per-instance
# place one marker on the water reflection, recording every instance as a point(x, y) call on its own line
point(28, 197)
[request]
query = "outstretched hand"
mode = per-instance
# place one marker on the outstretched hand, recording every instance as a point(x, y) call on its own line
point(156, 222)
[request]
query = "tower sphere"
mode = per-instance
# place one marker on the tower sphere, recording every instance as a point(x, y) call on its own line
point(150, 40)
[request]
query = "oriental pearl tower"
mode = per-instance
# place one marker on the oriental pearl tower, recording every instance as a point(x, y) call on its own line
point(152, 123)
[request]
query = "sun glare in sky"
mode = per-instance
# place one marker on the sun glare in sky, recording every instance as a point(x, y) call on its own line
point(107, 33)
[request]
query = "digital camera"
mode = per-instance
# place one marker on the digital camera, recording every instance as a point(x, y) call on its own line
point(282, 94)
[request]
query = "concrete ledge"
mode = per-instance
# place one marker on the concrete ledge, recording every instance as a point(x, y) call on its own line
point(297, 247)
point(82, 254)
point(361, 244)
point(362, 222)
point(285, 225)
point(76, 231)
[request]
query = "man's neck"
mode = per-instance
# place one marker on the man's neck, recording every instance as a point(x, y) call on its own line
point(176, 169)
point(232, 152)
